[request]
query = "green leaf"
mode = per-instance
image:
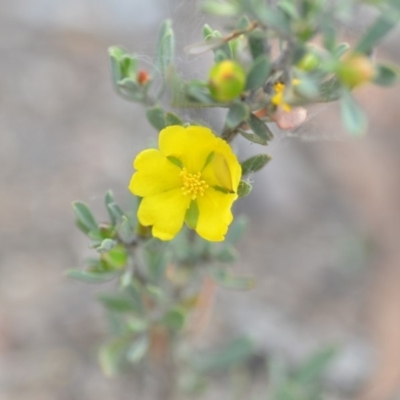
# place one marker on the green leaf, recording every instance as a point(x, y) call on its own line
point(90, 277)
point(227, 254)
point(221, 9)
point(172, 119)
point(126, 232)
point(258, 73)
point(106, 245)
point(131, 89)
point(116, 257)
point(223, 278)
point(244, 189)
point(85, 217)
point(175, 319)
point(111, 355)
point(116, 303)
point(156, 262)
point(201, 95)
point(386, 75)
point(329, 90)
point(134, 292)
point(236, 230)
point(253, 138)
point(260, 128)
point(137, 324)
point(256, 44)
point(340, 50)
point(156, 116)
point(255, 163)
point(382, 26)
point(238, 113)
point(115, 54)
point(353, 116)
point(138, 349)
point(165, 47)
point(232, 354)
point(315, 366)
point(109, 199)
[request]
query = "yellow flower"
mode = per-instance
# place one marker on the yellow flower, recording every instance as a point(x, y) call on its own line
point(193, 178)
point(277, 98)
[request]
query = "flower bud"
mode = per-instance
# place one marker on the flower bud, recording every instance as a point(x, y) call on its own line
point(355, 70)
point(227, 80)
point(143, 77)
point(309, 62)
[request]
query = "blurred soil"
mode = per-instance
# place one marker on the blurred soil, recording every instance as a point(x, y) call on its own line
point(325, 219)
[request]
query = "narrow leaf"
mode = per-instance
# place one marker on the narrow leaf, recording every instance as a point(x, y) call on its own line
point(84, 216)
point(223, 278)
point(244, 189)
point(137, 349)
point(155, 115)
point(258, 73)
point(253, 138)
point(90, 277)
point(382, 26)
point(255, 163)
point(260, 128)
point(238, 113)
point(386, 75)
point(353, 116)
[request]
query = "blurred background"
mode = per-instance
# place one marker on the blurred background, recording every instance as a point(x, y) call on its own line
point(324, 238)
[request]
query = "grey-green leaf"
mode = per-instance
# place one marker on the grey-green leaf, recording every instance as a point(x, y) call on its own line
point(85, 216)
point(253, 138)
point(244, 189)
point(137, 350)
point(260, 128)
point(235, 352)
point(165, 46)
point(116, 303)
point(258, 73)
point(386, 75)
point(156, 116)
point(90, 277)
point(111, 355)
point(230, 281)
point(172, 119)
point(382, 26)
point(238, 113)
point(255, 163)
point(353, 116)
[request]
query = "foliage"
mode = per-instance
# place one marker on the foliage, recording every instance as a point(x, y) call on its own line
point(268, 67)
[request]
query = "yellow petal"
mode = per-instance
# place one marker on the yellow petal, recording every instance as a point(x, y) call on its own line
point(214, 214)
point(224, 169)
point(165, 212)
point(155, 174)
point(191, 145)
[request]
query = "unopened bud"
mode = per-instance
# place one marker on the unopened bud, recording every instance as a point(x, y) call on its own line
point(143, 77)
point(227, 80)
point(309, 62)
point(356, 70)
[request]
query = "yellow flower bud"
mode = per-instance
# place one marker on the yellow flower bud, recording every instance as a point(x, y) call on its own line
point(309, 62)
point(227, 80)
point(355, 70)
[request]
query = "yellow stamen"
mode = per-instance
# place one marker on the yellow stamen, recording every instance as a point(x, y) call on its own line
point(277, 99)
point(193, 185)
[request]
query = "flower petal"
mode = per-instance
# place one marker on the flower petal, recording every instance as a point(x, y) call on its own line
point(191, 145)
point(155, 174)
point(214, 214)
point(224, 169)
point(165, 212)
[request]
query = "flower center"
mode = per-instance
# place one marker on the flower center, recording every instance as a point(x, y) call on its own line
point(193, 185)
